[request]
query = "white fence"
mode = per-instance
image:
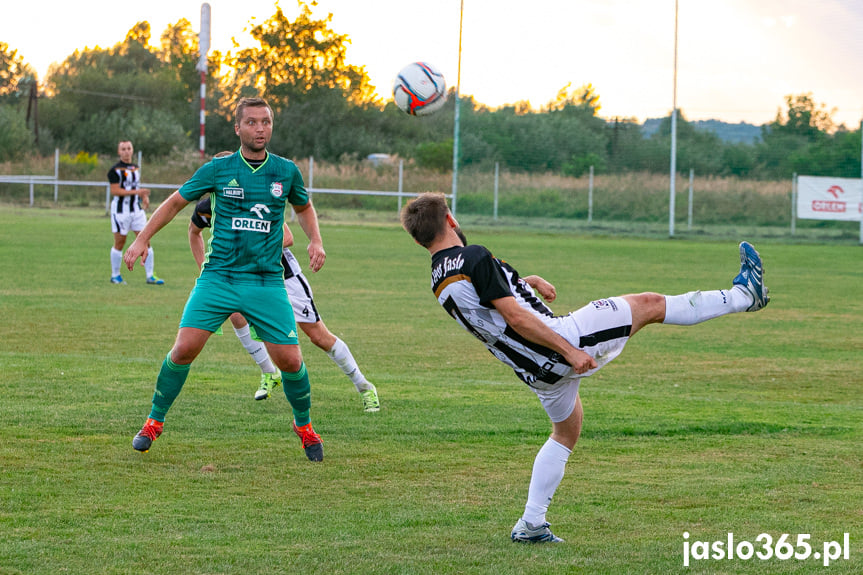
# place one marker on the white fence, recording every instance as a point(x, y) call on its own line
point(33, 181)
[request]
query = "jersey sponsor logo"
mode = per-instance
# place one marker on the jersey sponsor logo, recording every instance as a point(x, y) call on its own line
point(233, 192)
point(601, 304)
point(250, 225)
point(259, 210)
point(276, 189)
point(446, 266)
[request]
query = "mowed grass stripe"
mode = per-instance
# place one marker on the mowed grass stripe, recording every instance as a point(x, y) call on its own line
point(746, 424)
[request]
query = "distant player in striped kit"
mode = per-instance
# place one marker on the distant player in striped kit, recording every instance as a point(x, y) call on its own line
point(552, 353)
point(128, 204)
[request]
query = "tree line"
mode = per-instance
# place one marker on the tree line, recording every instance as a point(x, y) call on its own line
point(327, 108)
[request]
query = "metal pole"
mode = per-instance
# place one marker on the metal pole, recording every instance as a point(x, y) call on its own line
point(201, 66)
point(401, 173)
point(56, 172)
point(496, 185)
point(203, 114)
point(590, 196)
point(860, 205)
point(689, 212)
point(793, 203)
point(311, 171)
point(31, 192)
point(456, 121)
point(108, 200)
point(673, 135)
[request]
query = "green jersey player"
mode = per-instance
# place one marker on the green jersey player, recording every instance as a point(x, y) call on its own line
point(242, 271)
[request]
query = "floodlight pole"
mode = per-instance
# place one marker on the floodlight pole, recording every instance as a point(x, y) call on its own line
point(456, 121)
point(673, 135)
point(204, 43)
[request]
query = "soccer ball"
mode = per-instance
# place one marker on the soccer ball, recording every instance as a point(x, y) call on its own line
point(419, 89)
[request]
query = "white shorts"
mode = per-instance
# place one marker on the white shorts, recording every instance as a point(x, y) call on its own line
point(302, 299)
point(124, 222)
point(601, 329)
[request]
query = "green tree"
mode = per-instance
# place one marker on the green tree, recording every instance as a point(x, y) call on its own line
point(698, 150)
point(16, 140)
point(295, 61)
point(13, 70)
point(130, 90)
point(793, 141)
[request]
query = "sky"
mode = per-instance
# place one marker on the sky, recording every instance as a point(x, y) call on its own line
point(737, 60)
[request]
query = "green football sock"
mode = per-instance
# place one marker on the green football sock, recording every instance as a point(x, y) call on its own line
point(299, 394)
point(168, 386)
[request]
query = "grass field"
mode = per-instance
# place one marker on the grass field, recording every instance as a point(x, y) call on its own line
point(747, 424)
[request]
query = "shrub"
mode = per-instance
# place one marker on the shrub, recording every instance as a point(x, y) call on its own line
point(79, 165)
point(16, 141)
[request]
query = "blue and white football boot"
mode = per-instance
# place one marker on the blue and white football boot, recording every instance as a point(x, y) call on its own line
point(524, 532)
point(751, 277)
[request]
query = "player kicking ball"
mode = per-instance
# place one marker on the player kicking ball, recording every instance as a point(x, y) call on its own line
point(549, 353)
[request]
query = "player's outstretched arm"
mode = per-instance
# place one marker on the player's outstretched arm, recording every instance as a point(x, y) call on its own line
point(308, 219)
point(544, 288)
point(531, 327)
point(163, 214)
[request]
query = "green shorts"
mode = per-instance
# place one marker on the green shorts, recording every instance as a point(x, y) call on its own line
point(264, 304)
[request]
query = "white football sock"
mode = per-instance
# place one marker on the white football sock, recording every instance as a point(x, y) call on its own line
point(149, 265)
point(548, 468)
point(116, 260)
point(256, 349)
point(343, 358)
point(698, 306)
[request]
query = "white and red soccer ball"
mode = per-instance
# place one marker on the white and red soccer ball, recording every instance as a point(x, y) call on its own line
point(419, 89)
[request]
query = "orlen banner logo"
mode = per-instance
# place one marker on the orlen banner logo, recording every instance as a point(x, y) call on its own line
point(831, 206)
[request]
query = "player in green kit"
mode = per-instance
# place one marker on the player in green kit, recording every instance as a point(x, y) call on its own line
point(242, 271)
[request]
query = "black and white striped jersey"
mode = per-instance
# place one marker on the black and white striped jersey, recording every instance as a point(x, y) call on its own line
point(465, 280)
point(129, 178)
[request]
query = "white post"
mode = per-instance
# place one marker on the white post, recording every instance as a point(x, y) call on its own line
point(455, 128)
point(496, 185)
point(56, 172)
point(673, 134)
point(401, 174)
point(203, 115)
point(31, 192)
point(201, 66)
point(590, 196)
point(108, 200)
point(311, 171)
point(689, 211)
point(793, 203)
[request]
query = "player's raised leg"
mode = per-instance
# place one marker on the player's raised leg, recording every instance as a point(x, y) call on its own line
point(747, 293)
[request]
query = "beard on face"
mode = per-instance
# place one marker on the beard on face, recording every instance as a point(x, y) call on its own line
point(252, 146)
point(461, 236)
